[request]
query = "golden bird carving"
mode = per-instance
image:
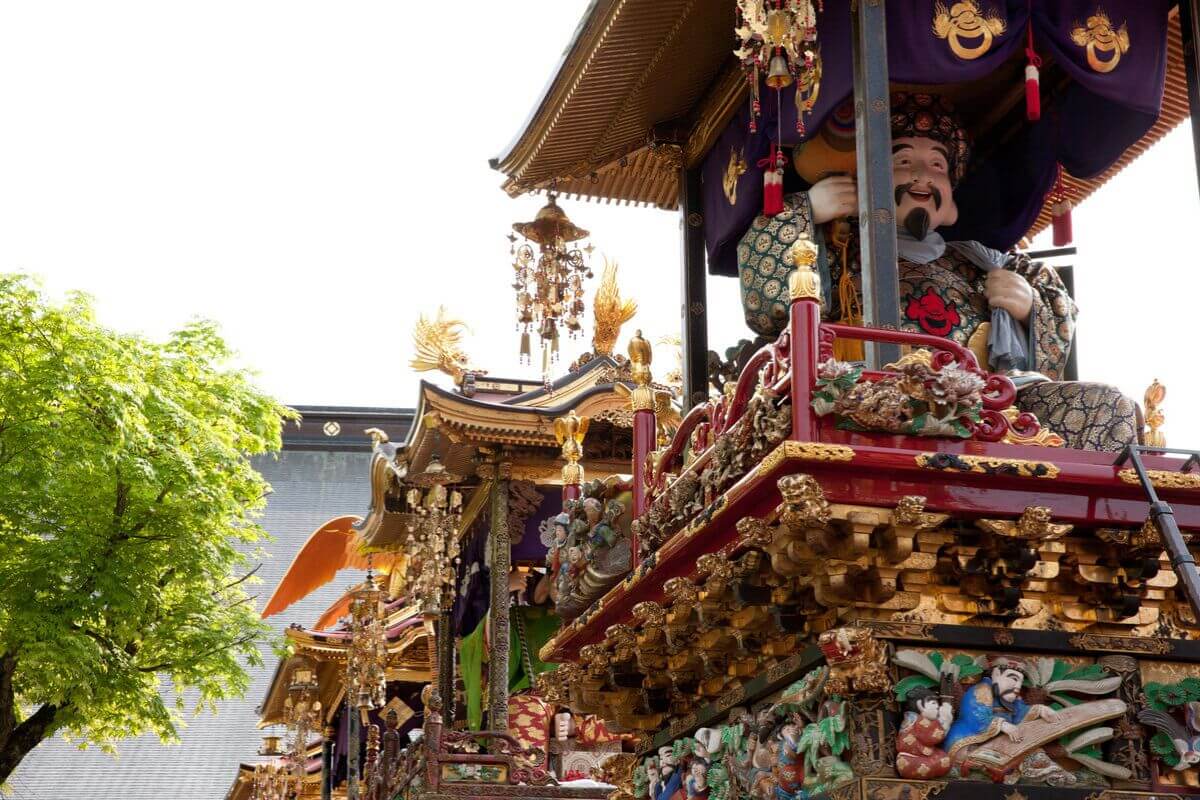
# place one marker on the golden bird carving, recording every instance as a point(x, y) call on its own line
point(438, 346)
point(610, 311)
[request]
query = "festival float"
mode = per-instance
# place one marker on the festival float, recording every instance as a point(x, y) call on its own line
point(892, 548)
point(895, 548)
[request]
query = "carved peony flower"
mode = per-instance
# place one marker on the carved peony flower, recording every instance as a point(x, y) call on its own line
point(954, 386)
point(832, 369)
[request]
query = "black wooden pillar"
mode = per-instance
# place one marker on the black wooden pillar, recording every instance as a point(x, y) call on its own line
point(1189, 24)
point(694, 295)
point(876, 197)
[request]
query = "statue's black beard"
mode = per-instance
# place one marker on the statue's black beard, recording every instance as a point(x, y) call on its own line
point(916, 222)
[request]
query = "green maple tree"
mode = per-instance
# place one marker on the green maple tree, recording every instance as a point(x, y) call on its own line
point(127, 508)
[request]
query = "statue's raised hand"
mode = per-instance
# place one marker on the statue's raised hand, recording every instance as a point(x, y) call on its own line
point(1008, 290)
point(833, 197)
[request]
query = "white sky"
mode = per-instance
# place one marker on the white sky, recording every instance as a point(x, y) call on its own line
point(312, 175)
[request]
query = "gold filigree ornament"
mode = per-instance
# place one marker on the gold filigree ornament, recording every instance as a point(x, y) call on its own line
point(803, 451)
point(1034, 525)
point(735, 169)
point(569, 431)
point(1043, 438)
point(965, 22)
point(1163, 479)
point(1099, 37)
point(803, 282)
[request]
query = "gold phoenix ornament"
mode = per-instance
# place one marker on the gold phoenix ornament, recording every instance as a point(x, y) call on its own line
point(610, 311)
point(438, 346)
point(549, 283)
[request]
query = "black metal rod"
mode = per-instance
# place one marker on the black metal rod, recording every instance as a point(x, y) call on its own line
point(1182, 560)
point(693, 308)
point(1189, 25)
point(876, 197)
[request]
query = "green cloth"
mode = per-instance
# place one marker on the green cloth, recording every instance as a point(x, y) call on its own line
point(470, 660)
point(540, 624)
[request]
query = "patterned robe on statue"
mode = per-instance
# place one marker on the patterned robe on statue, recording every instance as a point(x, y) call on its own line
point(918, 749)
point(945, 297)
point(979, 718)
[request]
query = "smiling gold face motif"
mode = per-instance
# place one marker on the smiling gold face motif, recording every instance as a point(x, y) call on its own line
point(1104, 43)
point(966, 22)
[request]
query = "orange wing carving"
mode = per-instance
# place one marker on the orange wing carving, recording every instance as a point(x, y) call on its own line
point(332, 547)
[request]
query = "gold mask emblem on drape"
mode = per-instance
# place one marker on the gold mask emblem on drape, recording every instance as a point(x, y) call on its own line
point(733, 170)
point(966, 22)
point(1099, 37)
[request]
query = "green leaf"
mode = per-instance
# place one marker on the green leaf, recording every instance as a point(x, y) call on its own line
point(1091, 672)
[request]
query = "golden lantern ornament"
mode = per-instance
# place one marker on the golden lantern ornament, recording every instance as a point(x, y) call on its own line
point(549, 283)
point(779, 38)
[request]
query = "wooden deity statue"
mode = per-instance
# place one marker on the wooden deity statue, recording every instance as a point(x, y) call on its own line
point(1014, 314)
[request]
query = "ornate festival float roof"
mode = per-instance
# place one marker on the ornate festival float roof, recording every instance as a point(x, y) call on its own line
point(385, 667)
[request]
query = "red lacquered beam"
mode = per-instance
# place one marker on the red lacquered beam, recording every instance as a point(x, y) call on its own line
point(804, 288)
point(865, 334)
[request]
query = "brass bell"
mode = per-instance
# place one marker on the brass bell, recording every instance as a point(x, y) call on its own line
point(778, 75)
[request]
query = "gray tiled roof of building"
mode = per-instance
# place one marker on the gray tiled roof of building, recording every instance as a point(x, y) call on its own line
point(310, 487)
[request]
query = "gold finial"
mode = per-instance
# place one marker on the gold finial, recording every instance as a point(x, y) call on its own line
point(1155, 394)
point(803, 281)
point(610, 311)
point(640, 356)
point(569, 431)
point(438, 346)
point(378, 436)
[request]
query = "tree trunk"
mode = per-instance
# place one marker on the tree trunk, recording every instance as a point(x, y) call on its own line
point(26, 736)
point(17, 740)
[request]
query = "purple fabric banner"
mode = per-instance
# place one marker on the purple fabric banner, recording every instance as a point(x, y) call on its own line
point(1114, 54)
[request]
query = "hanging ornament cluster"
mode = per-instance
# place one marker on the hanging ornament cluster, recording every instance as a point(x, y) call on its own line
point(778, 39)
point(366, 663)
point(1033, 82)
point(549, 284)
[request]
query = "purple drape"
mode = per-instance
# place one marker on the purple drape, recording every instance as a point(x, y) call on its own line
point(1085, 127)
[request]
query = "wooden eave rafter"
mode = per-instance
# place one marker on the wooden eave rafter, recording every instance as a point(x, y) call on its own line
point(569, 141)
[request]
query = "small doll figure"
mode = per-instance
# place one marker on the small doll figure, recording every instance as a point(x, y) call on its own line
point(918, 745)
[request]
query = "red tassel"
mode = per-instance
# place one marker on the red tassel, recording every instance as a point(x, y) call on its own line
point(1060, 213)
point(1060, 222)
point(773, 182)
point(1033, 94)
point(1033, 89)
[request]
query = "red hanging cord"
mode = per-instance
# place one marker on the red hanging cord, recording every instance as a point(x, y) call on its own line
point(1033, 93)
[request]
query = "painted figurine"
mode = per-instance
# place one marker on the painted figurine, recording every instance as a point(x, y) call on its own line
point(990, 708)
point(918, 746)
point(1014, 314)
point(697, 780)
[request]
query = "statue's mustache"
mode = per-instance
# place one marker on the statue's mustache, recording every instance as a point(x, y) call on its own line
point(903, 188)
